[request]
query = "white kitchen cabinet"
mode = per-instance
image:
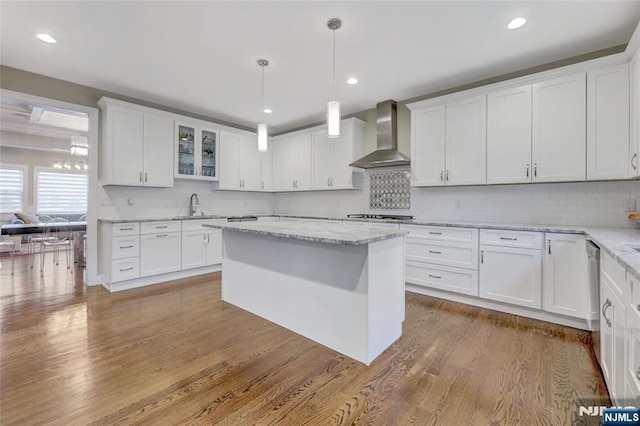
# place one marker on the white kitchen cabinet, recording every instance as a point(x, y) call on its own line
point(608, 123)
point(196, 151)
point(266, 169)
point(121, 251)
point(160, 247)
point(448, 143)
point(612, 343)
point(509, 273)
point(509, 135)
point(137, 145)
point(240, 162)
point(632, 373)
point(634, 149)
point(564, 279)
point(331, 156)
point(201, 246)
point(292, 162)
point(559, 129)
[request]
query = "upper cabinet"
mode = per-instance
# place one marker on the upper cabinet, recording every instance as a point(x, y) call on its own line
point(608, 123)
point(292, 162)
point(266, 167)
point(196, 151)
point(240, 166)
point(137, 145)
point(331, 156)
point(448, 143)
point(559, 129)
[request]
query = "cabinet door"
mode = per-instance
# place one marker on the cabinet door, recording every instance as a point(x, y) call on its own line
point(214, 247)
point(321, 151)
point(509, 136)
point(612, 349)
point(511, 275)
point(207, 159)
point(564, 281)
point(343, 153)
point(284, 164)
point(559, 129)
point(194, 253)
point(160, 253)
point(303, 162)
point(126, 127)
point(185, 150)
point(229, 161)
point(466, 142)
point(427, 146)
point(249, 163)
point(633, 353)
point(634, 153)
point(158, 150)
point(266, 169)
point(608, 123)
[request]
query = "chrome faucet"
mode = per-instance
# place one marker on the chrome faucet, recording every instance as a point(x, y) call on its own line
point(192, 205)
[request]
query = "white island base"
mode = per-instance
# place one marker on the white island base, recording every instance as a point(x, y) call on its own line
point(349, 298)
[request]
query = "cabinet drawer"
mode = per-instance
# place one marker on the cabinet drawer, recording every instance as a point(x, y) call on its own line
point(522, 239)
point(441, 233)
point(125, 269)
point(442, 253)
point(196, 224)
point(127, 246)
point(614, 272)
point(352, 224)
point(162, 227)
point(130, 228)
point(457, 280)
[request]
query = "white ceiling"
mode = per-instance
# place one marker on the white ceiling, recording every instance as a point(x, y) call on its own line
point(201, 56)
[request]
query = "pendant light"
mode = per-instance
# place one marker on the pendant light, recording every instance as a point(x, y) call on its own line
point(262, 127)
point(333, 107)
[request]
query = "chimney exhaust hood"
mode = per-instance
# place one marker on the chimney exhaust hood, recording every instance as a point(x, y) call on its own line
point(387, 154)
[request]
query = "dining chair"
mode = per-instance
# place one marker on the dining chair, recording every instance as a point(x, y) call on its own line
point(8, 242)
point(36, 239)
point(57, 234)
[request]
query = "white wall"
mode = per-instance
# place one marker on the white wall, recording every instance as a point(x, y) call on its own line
point(585, 204)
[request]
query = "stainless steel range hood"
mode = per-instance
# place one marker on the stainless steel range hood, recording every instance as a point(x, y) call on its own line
point(387, 153)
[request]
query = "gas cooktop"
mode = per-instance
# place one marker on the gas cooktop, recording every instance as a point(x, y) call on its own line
point(380, 216)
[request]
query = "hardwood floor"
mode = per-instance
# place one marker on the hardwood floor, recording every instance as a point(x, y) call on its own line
point(176, 354)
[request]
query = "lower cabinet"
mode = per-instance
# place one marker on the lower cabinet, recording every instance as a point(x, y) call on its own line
point(456, 280)
point(201, 248)
point(612, 347)
point(159, 253)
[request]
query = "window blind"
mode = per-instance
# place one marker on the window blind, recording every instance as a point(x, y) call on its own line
point(61, 192)
point(11, 190)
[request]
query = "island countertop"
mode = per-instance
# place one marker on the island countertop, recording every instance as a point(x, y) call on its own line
point(311, 232)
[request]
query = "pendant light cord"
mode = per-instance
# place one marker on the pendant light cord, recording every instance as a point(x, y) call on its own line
point(262, 106)
point(334, 64)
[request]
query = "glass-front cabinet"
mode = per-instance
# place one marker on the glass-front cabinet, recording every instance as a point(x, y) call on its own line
point(196, 152)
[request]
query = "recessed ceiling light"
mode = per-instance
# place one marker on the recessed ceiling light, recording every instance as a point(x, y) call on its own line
point(516, 23)
point(267, 111)
point(46, 38)
point(352, 80)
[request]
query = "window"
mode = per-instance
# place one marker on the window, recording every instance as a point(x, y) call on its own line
point(11, 189)
point(59, 192)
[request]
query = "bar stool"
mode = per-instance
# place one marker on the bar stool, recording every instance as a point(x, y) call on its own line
point(8, 242)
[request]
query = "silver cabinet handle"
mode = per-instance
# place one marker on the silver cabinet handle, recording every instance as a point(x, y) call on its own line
point(441, 175)
point(125, 247)
point(527, 170)
point(604, 311)
point(145, 176)
point(262, 185)
point(509, 238)
point(447, 175)
point(204, 237)
point(638, 307)
point(162, 235)
point(140, 176)
point(481, 256)
point(635, 157)
point(435, 276)
point(435, 233)
point(331, 181)
point(549, 243)
point(328, 182)
point(162, 227)
point(535, 169)
point(208, 238)
point(126, 269)
point(126, 229)
point(435, 252)
point(638, 373)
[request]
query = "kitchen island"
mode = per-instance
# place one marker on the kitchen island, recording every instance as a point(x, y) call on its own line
point(341, 288)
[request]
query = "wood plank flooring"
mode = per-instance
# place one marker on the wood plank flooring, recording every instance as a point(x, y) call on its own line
point(176, 354)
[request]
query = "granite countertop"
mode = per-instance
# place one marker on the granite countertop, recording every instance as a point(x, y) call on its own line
point(309, 232)
point(614, 242)
point(161, 219)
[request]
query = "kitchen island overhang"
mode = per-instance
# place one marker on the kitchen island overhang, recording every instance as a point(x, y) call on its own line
point(341, 288)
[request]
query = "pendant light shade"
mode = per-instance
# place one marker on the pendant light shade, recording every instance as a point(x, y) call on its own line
point(263, 135)
point(333, 107)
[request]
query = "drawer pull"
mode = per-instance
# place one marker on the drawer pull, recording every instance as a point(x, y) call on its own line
point(435, 252)
point(638, 307)
point(162, 227)
point(509, 238)
point(162, 235)
point(638, 373)
point(435, 276)
point(126, 269)
point(125, 247)
point(126, 229)
point(606, 305)
point(435, 233)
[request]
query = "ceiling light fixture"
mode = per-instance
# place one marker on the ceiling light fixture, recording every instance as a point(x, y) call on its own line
point(262, 127)
point(516, 23)
point(46, 38)
point(352, 81)
point(333, 107)
point(267, 111)
point(79, 146)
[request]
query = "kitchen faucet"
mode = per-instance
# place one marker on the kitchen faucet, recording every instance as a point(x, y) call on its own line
point(192, 206)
